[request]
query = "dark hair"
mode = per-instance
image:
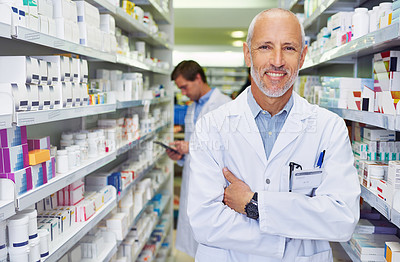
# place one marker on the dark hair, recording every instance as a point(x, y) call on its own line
point(188, 69)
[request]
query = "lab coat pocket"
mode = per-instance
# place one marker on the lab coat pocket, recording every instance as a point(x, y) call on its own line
point(306, 181)
point(325, 256)
point(210, 254)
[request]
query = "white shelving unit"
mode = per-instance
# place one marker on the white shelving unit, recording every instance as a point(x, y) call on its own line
point(59, 182)
point(35, 43)
point(358, 53)
point(227, 80)
point(70, 238)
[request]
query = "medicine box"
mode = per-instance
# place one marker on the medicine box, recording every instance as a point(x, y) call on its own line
point(44, 97)
point(377, 134)
point(55, 96)
point(39, 143)
point(38, 156)
point(22, 179)
point(39, 175)
point(107, 23)
point(392, 251)
point(84, 71)
point(88, 13)
point(85, 210)
point(387, 61)
point(13, 136)
point(13, 158)
point(19, 69)
point(66, 88)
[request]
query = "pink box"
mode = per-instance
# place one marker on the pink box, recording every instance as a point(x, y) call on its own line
point(76, 195)
point(14, 158)
point(22, 179)
point(13, 136)
point(39, 143)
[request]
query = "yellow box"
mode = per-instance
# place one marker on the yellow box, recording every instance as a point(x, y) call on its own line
point(392, 251)
point(128, 6)
point(38, 156)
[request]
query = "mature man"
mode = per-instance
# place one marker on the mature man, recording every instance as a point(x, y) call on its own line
point(191, 80)
point(292, 185)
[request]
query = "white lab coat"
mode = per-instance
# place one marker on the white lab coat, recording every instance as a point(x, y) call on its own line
point(229, 137)
point(184, 236)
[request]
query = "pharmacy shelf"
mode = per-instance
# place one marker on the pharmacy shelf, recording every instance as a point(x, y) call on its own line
point(136, 103)
point(376, 202)
point(71, 237)
point(370, 118)
point(31, 36)
point(45, 116)
point(5, 121)
point(104, 6)
point(139, 177)
point(371, 43)
point(350, 252)
point(7, 209)
point(327, 6)
point(108, 251)
point(123, 60)
point(222, 74)
point(159, 14)
point(60, 181)
point(129, 145)
point(395, 217)
point(163, 204)
point(159, 244)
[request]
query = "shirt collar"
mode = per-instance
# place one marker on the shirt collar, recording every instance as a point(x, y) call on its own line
point(205, 97)
point(256, 109)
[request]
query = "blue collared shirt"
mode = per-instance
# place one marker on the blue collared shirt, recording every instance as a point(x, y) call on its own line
point(200, 103)
point(269, 127)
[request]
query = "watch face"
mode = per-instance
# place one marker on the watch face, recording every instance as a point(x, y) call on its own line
point(251, 210)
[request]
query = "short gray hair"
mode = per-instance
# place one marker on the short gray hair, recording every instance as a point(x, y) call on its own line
point(253, 22)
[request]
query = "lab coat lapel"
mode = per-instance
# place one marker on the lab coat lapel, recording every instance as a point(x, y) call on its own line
point(210, 103)
point(245, 124)
point(293, 127)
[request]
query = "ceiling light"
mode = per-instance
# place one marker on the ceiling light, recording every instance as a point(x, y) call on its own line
point(237, 43)
point(237, 34)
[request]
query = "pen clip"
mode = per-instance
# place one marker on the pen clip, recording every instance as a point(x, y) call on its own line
point(321, 159)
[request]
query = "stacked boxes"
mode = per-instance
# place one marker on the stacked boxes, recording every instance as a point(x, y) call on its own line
point(387, 81)
point(65, 15)
point(14, 162)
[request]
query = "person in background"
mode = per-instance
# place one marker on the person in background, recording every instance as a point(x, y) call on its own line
point(271, 176)
point(191, 80)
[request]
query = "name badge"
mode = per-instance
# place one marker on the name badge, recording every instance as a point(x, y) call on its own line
point(305, 181)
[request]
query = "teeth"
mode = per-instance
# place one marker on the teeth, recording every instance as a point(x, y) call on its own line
point(274, 74)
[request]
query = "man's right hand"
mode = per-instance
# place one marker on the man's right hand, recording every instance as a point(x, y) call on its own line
point(174, 156)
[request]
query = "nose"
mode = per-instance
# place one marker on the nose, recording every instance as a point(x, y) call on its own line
point(277, 58)
point(183, 91)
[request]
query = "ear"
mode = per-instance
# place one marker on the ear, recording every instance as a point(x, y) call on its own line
point(303, 56)
point(247, 54)
point(198, 78)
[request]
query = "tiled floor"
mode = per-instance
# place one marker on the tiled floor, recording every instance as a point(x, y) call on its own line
point(180, 256)
point(338, 253)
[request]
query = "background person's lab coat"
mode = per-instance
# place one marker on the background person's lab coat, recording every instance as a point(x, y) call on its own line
point(184, 235)
point(306, 223)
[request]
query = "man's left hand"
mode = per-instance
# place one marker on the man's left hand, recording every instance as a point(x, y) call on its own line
point(237, 194)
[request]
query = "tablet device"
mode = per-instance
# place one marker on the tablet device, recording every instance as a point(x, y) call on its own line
point(167, 147)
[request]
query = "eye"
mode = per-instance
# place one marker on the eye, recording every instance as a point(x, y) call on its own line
point(264, 47)
point(290, 48)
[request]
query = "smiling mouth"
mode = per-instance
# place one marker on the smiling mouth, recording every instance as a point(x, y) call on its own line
point(275, 74)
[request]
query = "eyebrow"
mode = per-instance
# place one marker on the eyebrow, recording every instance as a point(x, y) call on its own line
point(270, 43)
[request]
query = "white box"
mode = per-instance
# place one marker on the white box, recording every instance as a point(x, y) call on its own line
point(66, 88)
point(44, 24)
point(60, 28)
point(33, 96)
point(75, 70)
point(45, 8)
point(43, 72)
point(61, 9)
point(377, 134)
point(44, 97)
point(88, 13)
point(55, 96)
point(52, 27)
point(76, 94)
point(19, 69)
point(5, 14)
point(65, 69)
point(21, 18)
point(84, 94)
point(107, 23)
point(75, 33)
point(84, 71)
point(33, 22)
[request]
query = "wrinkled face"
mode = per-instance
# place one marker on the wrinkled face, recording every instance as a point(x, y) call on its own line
point(189, 88)
point(275, 56)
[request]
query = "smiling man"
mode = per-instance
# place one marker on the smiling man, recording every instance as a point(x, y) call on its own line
point(271, 176)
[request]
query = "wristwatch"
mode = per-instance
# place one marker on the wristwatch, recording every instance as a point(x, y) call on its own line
point(251, 208)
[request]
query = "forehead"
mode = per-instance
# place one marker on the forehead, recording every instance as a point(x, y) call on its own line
point(277, 27)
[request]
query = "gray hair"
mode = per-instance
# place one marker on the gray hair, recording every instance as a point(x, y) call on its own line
point(253, 22)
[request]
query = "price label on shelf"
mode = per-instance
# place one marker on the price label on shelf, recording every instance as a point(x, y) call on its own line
point(53, 114)
point(32, 36)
